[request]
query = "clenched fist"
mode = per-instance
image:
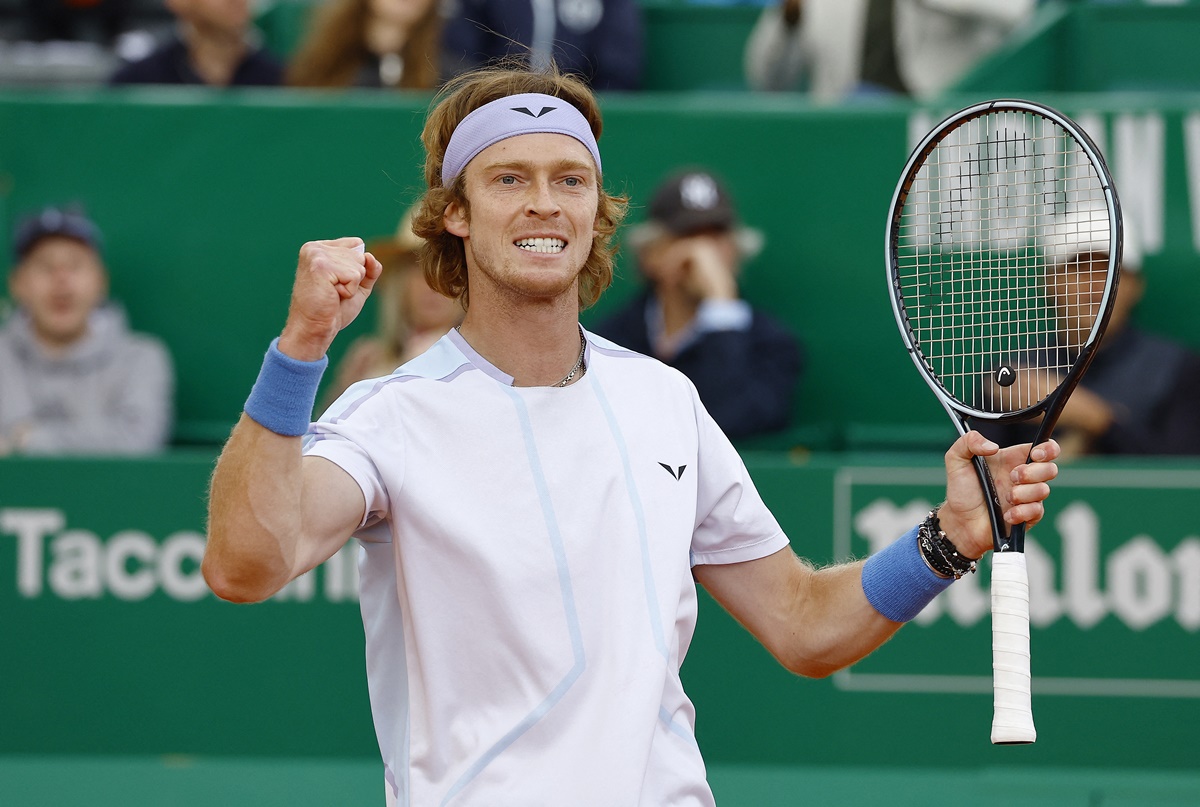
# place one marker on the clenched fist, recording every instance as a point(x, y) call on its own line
point(333, 280)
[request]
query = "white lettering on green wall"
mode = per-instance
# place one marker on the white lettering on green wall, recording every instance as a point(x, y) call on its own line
point(1139, 582)
point(132, 565)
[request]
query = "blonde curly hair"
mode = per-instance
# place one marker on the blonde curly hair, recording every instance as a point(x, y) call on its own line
point(443, 255)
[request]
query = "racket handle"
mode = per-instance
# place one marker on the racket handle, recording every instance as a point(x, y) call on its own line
point(1012, 716)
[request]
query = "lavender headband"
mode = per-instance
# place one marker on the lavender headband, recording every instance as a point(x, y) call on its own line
point(527, 113)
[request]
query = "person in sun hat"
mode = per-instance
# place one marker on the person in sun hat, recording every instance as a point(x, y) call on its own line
point(746, 364)
point(534, 504)
point(411, 315)
point(73, 378)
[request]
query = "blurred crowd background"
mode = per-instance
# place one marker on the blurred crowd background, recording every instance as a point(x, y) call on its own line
point(735, 128)
point(162, 162)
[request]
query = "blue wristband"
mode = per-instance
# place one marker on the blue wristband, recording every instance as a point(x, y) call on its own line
point(283, 396)
point(898, 582)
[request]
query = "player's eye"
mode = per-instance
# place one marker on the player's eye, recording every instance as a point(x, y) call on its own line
point(573, 182)
point(508, 179)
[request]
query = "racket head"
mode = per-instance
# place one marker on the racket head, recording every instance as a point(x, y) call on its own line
point(1003, 250)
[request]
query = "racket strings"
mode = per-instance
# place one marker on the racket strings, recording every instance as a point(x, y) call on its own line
point(993, 268)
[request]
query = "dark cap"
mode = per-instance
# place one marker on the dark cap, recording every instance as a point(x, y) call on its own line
point(68, 222)
point(692, 201)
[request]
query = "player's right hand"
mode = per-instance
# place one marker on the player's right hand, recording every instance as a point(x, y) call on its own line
point(333, 280)
point(1021, 488)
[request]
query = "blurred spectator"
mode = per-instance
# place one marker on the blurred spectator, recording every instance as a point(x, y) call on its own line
point(745, 365)
point(213, 45)
point(840, 48)
point(601, 40)
point(99, 21)
point(1141, 394)
point(66, 43)
point(411, 315)
point(370, 43)
point(73, 378)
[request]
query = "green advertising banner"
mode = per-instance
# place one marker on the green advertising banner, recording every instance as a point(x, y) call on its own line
point(1103, 576)
point(112, 645)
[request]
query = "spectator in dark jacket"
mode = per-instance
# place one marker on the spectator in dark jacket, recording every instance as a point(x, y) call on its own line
point(600, 40)
point(213, 46)
point(745, 365)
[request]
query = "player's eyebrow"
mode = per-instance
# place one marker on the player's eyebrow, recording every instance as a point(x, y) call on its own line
point(560, 166)
point(567, 165)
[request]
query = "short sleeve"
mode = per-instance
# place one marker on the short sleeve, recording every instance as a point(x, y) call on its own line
point(354, 434)
point(733, 523)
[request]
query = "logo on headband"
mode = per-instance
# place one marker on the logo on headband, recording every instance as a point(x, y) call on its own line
point(532, 114)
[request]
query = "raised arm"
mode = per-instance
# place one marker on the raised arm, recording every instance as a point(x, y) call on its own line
point(273, 514)
point(816, 622)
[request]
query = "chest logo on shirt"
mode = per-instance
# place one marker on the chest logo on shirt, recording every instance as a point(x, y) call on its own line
point(675, 472)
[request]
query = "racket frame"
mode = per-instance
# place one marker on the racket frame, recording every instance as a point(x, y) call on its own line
point(1012, 722)
point(1053, 403)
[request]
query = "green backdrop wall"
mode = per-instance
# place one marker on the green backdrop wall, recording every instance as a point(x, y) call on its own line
point(206, 197)
point(111, 646)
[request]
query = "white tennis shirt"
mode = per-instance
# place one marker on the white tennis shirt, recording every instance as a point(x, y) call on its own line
point(526, 582)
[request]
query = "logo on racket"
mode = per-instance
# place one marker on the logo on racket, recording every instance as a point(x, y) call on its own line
point(1005, 376)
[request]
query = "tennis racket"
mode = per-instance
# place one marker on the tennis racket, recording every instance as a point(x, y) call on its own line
point(1003, 248)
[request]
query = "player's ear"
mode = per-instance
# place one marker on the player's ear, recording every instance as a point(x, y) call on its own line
point(456, 220)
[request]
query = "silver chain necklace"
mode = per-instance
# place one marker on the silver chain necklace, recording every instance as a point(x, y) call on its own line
point(578, 362)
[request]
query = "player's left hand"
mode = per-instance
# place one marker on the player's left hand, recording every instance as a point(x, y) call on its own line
point(1022, 489)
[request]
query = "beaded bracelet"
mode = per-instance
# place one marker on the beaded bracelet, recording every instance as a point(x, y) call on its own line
point(939, 551)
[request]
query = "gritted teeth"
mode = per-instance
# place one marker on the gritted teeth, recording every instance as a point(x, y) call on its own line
point(542, 244)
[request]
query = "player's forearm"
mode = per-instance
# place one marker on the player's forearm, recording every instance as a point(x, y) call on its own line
point(836, 625)
point(258, 512)
point(813, 622)
point(254, 512)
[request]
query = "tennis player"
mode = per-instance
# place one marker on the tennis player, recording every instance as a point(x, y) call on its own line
point(534, 504)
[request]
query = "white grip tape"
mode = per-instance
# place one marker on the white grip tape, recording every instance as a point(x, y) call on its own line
point(1012, 720)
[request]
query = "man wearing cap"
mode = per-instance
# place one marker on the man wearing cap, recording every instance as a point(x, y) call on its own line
point(745, 364)
point(1141, 393)
point(73, 378)
point(534, 503)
